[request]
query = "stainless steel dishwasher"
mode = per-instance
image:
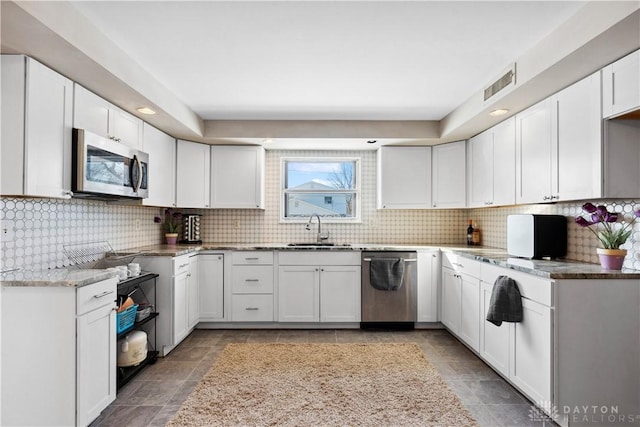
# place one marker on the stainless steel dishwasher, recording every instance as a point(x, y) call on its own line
point(389, 308)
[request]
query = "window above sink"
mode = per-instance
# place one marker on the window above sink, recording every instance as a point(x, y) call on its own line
point(328, 187)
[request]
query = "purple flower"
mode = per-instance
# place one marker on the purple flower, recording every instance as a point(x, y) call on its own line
point(589, 208)
point(583, 222)
point(638, 213)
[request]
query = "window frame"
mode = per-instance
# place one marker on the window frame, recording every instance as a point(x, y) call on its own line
point(357, 190)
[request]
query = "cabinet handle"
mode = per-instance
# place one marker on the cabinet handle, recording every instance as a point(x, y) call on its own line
point(103, 294)
point(555, 197)
point(67, 193)
point(252, 309)
point(183, 265)
point(252, 280)
point(457, 264)
point(189, 275)
point(251, 259)
point(316, 269)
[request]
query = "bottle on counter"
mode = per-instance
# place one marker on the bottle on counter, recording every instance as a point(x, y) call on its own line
point(470, 233)
point(475, 235)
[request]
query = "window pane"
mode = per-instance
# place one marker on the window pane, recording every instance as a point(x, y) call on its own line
point(339, 205)
point(320, 175)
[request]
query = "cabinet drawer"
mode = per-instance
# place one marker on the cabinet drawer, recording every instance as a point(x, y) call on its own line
point(181, 264)
point(252, 257)
point(312, 257)
point(96, 295)
point(461, 264)
point(252, 308)
point(252, 279)
point(531, 287)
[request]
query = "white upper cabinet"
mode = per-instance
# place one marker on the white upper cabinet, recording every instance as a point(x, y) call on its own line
point(192, 175)
point(533, 153)
point(99, 116)
point(37, 105)
point(237, 177)
point(404, 177)
point(492, 166)
point(577, 173)
point(621, 86)
point(162, 167)
point(558, 146)
point(448, 175)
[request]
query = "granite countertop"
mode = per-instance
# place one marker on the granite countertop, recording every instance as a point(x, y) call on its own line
point(59, 277)
point(551, 269)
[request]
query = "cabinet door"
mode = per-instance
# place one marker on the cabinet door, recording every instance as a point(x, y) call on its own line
point(162, 167)
point(298, 294)
point(192, 175)
point(428, 272)
point(237, 177)
point(470, 311)
point(126, 128)
point(404, 177)
point(340, 294)
point(533, 153)
point(180, 307)
point(211, 287)
point(530, 356)
point(451, 300)
point(494, 340)
point(49, 107)
point(481, 169)
point(621, 86)
point(91, 112)
point(193, 295)
point(448, 175)
point(504, 163)
point(578, 170)
point(96, 363)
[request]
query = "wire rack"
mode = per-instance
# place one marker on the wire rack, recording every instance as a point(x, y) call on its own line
point(95, 255)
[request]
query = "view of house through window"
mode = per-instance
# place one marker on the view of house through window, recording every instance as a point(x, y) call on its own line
point(327, 187)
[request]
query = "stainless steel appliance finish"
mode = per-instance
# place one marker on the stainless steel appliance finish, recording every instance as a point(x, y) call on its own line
point(389, 307)
point(107, 168)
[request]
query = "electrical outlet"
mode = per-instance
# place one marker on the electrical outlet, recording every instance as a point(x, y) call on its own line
point(7, 228)
point(236, 223)
point(373, 223)
point(137, 224)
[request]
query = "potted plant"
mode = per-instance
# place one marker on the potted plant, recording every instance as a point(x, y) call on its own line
point(172, 224)
point(609, 232)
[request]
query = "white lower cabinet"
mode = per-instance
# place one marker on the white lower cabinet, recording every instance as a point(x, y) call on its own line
point(211, 287)
point(451, 291)
point(325, 292)
point(76, 327)
point(428, 285)
point(461, 298)
point(530, 353)
point(494, 340)
point(176, 301)
point(252, 286)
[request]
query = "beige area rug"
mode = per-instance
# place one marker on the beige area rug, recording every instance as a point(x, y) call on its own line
point(322, 385)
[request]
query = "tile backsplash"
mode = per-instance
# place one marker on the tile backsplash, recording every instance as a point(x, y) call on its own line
point(43, 226)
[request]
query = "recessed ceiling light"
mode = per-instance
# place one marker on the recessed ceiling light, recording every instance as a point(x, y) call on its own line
point(145, 110)
point(500, 112)
point(372, 141)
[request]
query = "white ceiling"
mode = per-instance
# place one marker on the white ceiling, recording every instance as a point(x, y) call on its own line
point(329, 60)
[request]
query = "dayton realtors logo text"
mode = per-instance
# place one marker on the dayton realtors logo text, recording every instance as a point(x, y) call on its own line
point(595, 414)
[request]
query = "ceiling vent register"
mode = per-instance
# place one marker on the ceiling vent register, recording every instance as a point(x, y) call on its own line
point(508, 79)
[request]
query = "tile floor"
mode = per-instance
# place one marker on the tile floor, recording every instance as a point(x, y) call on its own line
point(155, 395)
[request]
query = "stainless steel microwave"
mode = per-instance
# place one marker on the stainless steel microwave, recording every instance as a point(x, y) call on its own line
point(103, 167)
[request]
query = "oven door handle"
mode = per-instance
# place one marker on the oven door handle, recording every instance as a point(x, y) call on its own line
point(405, 260)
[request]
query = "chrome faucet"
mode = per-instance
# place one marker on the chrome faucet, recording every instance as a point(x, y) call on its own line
point(321, 236)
